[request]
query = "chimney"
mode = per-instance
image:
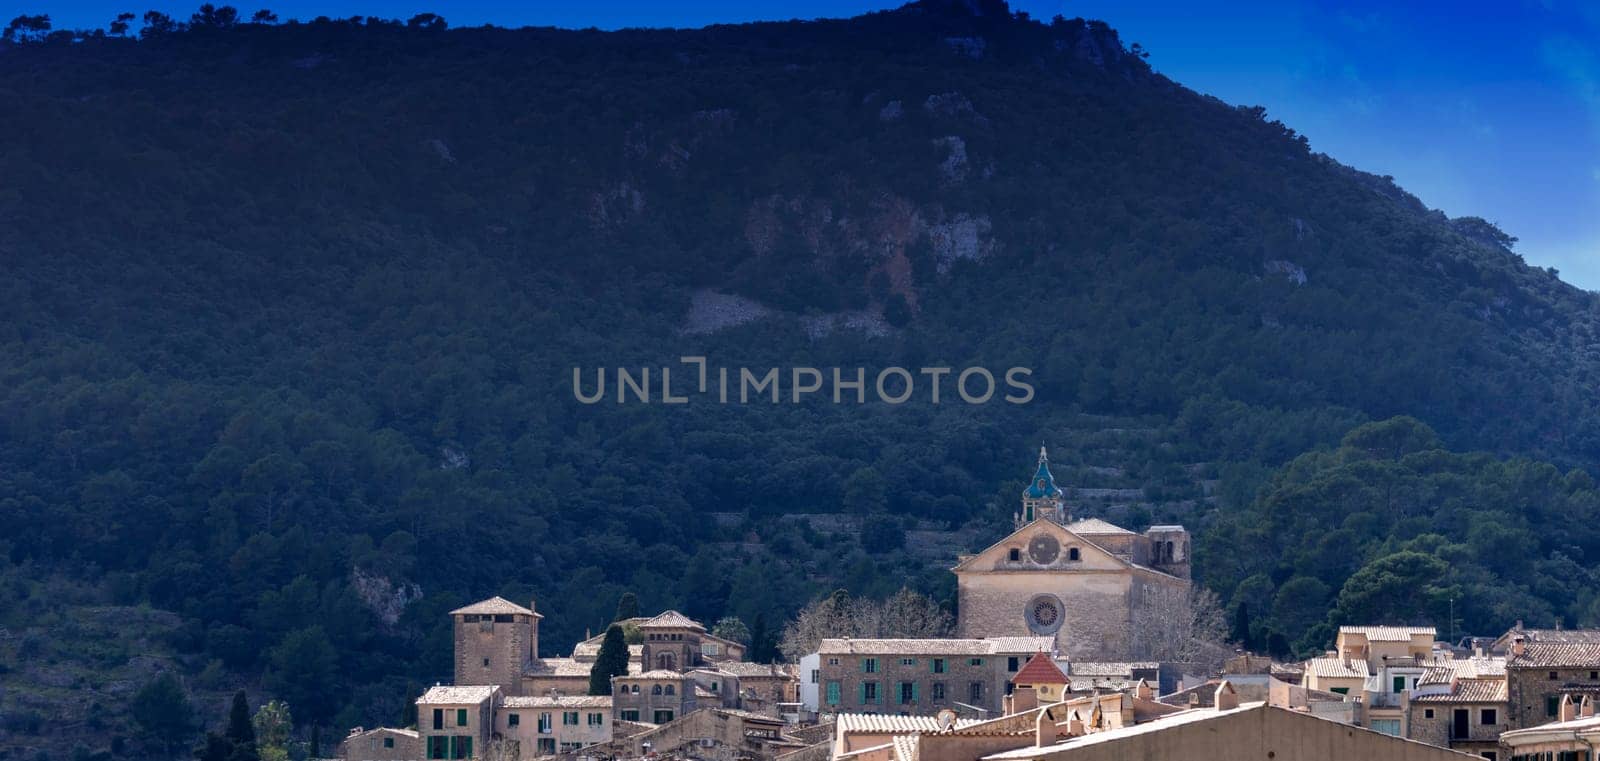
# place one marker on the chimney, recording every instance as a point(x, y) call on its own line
point(1226, 698)
point(1569, 710)
point(1519, 645)
point(1142, 690)
point(1586, 708)
point(1194, 700)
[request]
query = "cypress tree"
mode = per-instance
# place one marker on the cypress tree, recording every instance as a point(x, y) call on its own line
point(627, 607)
point(611, 661)
point(241, 730)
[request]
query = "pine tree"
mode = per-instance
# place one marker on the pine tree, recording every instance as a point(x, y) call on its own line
point(611, 661)
point(627, 607)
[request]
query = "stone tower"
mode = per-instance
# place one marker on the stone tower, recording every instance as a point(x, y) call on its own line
point(1042, 498)
point(496, 640)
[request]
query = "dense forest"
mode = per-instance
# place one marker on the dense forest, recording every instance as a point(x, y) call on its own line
point(293, 309)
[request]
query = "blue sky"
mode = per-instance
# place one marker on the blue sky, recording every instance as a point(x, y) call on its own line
point(1479, 109)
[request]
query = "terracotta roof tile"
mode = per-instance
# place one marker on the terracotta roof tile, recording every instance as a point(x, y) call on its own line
point(453, 695)
point(1470, 691)
point(493, 606)
point(1039, 670)
point(672, 619)
point(1389, 633)
point(1556, 654)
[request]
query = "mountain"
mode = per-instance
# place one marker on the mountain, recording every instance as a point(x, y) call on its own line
point(293, 313)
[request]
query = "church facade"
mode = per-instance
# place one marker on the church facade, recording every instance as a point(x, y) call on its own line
point(1086, 583)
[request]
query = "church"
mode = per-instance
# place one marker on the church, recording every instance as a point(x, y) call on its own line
point(1085, 582)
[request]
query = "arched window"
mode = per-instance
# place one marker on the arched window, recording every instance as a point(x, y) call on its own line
point(1169, 552)
point(1072, 554)
point(656, 690)
point(636, 689)
point(671, 690)
point(665, 661)
point(1014, 554)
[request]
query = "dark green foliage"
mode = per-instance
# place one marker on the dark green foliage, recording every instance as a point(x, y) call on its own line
point(241, 729)
point(292, 314)
point(627, 607)
point(1389, 528)
point(161, 709)
point(612, 660)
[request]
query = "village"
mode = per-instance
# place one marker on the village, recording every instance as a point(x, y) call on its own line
point(1045, 665)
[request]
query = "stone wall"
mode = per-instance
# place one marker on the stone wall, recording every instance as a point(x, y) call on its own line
point(1097, 610)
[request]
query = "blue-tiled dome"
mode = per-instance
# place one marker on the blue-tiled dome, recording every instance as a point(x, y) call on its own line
point(1043, 484)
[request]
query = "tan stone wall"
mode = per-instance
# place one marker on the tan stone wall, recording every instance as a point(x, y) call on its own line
point(369, 747)
point(1261, 733)
point(646, 702)
point(1098, 613)
point(527, 733)
point(958, 677)
point(562, 685)
point(1528, 688)
point(507, 646)
point(1436, 731)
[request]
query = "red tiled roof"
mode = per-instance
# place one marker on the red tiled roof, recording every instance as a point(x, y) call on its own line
point(1040, 670)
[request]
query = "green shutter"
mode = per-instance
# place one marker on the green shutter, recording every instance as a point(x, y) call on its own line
point(916, 692)
point(861, 693)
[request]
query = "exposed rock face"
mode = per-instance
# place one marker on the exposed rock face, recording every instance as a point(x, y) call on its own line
point(1290, 271)
point(710, 312)
point(963, 237)
point(386, 599)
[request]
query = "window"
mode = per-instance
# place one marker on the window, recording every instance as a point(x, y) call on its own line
point(816, 674)
point(631, 714)
point(388, 742)
point(1014, 554)
point(597, 719)
point(975, 662)
point(547, 746)
point(938, 665)
point(1341, 690)
point(544, 724)
point(975, 692)
point(833, 693)
point(908, 692)
point(869, 693)
point(908, 661)
point(486, 663)
point(1551, 705)
point(1072, 554)
point(936, 691)
point(438, 718)
point(1399, 684)
point(461, 717)
point(1488, 716)
point(655, 690)
point(1554, 675)
point(1427, 713)
point(569, 718)
point(635, 690)
point(833, 661)
point(869, 665)
point(1594, 675)
point(671, 689)
point(1489, 754)
point(1013, 663)
point(438, 746)
point(1386, 726)
point(513, 720)
point(662, 717)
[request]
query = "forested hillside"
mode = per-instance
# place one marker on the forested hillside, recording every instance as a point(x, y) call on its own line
point(292, 311)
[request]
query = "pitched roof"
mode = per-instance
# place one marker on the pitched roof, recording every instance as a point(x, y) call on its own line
point(672, 619)
point(568, 667)
point(656, 674)
point(927, 647)
point(1388, 633)
point(1109, 668)
point(457, 695)
point(746, 669)
point(557, 701)
point(494, 606)
point(1469, 691)
point(1337, 668)
point(1556, 654)
point(873, 723)
point(1093, 526)
point(1445, 671)
point(1039, 670)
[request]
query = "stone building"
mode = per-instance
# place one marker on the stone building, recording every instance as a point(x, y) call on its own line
point(548, 725)
point(918, 676)
point(1573, 736)
point(1468, 716)
point(1084, 583)
point(1540, 673)
point(654, 697)
point(381, 744)
point(456, 722)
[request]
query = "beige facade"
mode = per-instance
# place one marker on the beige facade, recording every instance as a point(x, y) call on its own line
point(456, 722)
point(1081, 582)
point(919, 676)
point(495, 642)
point(547, 726)
point(654, 697)
point(381, 744)
point(1540, 674)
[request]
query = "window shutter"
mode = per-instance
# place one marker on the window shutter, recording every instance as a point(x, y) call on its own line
point(916, 692)
point(861, 692)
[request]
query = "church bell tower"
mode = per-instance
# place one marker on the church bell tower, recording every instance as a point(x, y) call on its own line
point(1042, 498)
